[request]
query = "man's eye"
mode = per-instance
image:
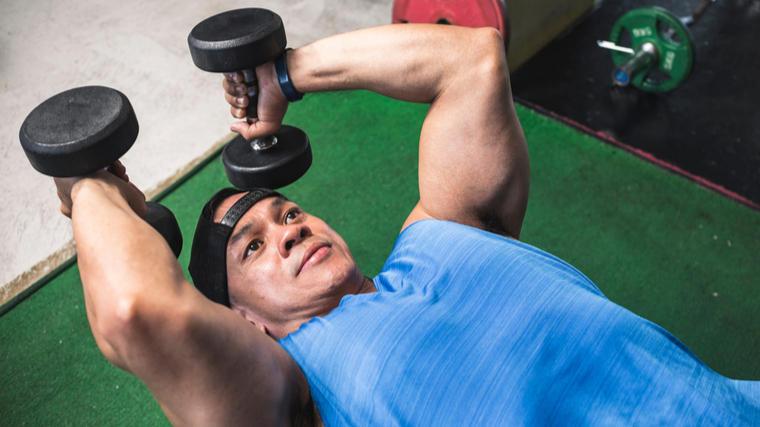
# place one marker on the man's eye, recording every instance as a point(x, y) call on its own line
point(252, 247)
point(291, 215)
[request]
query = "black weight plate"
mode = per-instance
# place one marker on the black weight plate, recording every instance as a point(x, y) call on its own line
point(79, 131)
point(163, 220)
point(272, 168)
point(236, 40)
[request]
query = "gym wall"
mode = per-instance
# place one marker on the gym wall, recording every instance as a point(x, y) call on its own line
point(535, 23)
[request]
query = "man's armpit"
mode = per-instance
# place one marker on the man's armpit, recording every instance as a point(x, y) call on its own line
point(303, 412)
point(493, 224)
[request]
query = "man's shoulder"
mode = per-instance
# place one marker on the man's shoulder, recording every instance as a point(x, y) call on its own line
point(431, 246)
point(441, 231)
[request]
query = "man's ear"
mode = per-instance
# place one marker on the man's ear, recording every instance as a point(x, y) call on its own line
point(262, 328)
point(247, 315)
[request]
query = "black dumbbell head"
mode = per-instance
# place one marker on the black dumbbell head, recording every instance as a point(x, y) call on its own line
point(272, 168)
point(79, 131)
point(163, 220)
point(236, 40)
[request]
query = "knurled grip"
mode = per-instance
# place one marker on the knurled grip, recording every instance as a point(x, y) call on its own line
point(252, 85)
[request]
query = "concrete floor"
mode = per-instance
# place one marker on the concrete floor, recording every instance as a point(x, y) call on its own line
point(138, 47)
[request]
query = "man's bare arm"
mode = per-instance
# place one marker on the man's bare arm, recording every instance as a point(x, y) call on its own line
point(204, 364)
point(474, 165)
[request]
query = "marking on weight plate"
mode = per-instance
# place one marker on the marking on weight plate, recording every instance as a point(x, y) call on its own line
point(669, 58)
point(642, 32)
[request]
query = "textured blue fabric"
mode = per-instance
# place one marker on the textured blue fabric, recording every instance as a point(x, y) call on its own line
point(471, 329)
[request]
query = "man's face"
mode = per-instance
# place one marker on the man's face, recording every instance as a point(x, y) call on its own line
point(284, 266)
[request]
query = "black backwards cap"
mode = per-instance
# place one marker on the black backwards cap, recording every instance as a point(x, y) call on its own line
point(208, 256)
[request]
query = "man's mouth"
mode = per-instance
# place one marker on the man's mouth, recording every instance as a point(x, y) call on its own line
point(315, 253)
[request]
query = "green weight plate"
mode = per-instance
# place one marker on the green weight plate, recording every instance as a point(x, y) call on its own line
point(675, 47)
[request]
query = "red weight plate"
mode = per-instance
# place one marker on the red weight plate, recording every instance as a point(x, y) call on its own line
point(467, 13)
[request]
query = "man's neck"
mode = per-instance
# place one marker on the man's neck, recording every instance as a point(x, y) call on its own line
point(368, 286)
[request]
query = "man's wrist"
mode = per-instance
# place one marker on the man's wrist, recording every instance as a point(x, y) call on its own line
point(84, 186)
point(286, 84)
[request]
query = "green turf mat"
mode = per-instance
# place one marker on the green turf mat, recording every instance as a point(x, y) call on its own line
point(653, 242)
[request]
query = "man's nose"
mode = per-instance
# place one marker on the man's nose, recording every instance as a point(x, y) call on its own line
point(292, 234)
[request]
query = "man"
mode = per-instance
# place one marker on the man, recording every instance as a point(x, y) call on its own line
point(464, 326)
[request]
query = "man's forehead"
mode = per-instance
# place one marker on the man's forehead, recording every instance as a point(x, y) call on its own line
point(260, 207)
point(252, 218)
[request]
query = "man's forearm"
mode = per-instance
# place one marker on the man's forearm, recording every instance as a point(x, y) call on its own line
point(407, 62)
point(122, 261)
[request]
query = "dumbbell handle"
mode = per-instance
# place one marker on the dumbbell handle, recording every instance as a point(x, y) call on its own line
point(251, 112)
point(252, 83)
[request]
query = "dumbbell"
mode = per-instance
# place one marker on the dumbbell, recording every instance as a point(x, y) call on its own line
point(85, 129)
point(241, 40)
point(661, 44)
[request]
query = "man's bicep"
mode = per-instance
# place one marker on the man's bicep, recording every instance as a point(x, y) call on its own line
point(206, 365)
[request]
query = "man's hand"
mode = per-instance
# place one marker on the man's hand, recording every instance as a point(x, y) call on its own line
point(271, 107)
point(117, 178)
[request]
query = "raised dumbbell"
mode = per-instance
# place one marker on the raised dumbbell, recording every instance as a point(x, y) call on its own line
point(85, 129)
point(661, 43)
point(241, 40)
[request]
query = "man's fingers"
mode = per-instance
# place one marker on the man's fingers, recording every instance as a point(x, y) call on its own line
point(257, 129)
point(246, 130)
point(243, 128)
point(137, 190)
point(238, 113)
point(271, 103)
point(234, 76)
point(233, 87)
point(63, 191)
point(239, 101)
point(264, 128)
point(136, 199)
point(65, 207)
point(118, 169)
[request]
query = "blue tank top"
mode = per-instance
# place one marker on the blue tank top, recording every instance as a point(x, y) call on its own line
point(472, 329)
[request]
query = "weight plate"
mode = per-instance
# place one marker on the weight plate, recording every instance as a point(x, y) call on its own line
point(272, 168)
point(236, 40)
point(163, 220)
point(675, 49)
point(467, 13)
point(79, 131)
